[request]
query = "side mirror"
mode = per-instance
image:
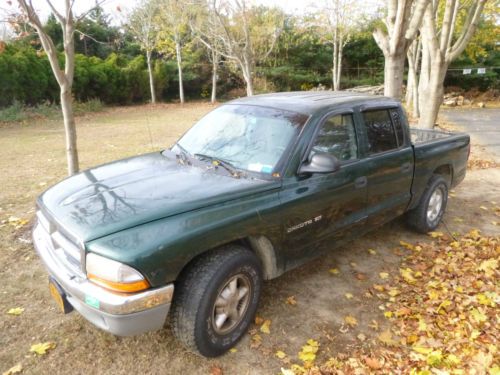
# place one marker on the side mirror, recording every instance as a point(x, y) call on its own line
point(321, 163)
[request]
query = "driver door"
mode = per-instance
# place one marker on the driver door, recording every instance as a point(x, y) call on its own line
point(325, 206)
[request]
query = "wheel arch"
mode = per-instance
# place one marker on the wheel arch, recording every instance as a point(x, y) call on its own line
point(258, 244)
point(445, 170)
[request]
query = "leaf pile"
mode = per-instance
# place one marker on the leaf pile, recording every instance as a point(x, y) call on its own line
point(481, 164)
point(443, 313)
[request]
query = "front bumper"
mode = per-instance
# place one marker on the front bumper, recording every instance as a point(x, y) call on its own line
point(118, 313)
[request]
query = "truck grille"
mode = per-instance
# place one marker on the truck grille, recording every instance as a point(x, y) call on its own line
point(65, 250)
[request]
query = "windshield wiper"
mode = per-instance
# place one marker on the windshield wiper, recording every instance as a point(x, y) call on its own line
point(223, 163)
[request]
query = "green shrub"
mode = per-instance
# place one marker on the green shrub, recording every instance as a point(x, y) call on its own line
point(14, 112)
point(92, 105)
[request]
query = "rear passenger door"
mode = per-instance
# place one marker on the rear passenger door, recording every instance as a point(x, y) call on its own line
point(389, 156)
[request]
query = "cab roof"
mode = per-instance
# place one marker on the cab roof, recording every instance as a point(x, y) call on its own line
point(310, 102)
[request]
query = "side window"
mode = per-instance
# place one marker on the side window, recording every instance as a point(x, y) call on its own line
point(380, 132)
point(396, 120)
point(337, 137)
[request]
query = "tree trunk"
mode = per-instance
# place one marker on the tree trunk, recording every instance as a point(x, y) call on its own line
point(247, 76)
point(70, 130)
point(393, 75)
point(412, 99)
point(179, 68)
point(215, 63)
point(339, 62)
point(335, 84)
point(150, 72)
point(431, 95)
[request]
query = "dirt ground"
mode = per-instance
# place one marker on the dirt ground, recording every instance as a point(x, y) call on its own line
point(32, 158)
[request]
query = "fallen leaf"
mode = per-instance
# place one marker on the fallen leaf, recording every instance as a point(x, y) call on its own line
point(233, 350)
point(373, 363)
point(216, 370)
point(436, 234)
point(14, 370)
point(407, 274)
point(16, 311)
point(478, 316)
point(361, 276)
point(435, 358)
point(334, 271)
point(403, 311)
point(383, 275)
point(259, 320)
point(422, 350)
point(488, 266)
point(483, 208)
point(407, 245)
point(394, 292)
point(291, 301)
point(256, 341)
point(280, 354)
point(264, 328)
point(378, 287)
point(351, 321)
point(348, 296)
point(372, 252)
point(308, 352)
point(386, 338)
point(42, 348)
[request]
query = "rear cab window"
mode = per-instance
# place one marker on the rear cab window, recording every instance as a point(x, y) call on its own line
point(384, 130)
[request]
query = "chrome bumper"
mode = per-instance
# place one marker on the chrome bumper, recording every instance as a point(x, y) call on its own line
point(120, 314)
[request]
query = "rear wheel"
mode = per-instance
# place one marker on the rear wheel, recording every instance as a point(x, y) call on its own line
point(429, 212)
point(216, 299)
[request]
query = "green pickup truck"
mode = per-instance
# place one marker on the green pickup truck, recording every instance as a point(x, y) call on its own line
point(247, 193)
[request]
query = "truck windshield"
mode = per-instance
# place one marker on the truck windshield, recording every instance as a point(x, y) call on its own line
point(248, 137)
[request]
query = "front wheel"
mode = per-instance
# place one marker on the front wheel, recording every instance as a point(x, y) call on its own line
point(216, 299)
point(429, 212)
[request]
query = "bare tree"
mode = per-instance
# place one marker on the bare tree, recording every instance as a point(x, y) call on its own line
point(414, 53)
point(336, 22)
point(173, 23)
point(203, 24)
point(247, 35)
point(441, 45)
point(141, 24)
point(404, 17)
point(64, 72)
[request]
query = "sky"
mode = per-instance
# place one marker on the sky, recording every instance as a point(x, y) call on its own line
point(117, 9)
point(290, 6)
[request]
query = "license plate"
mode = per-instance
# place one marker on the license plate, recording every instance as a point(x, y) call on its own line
point(59, 297)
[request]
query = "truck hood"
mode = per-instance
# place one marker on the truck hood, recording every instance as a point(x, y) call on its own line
point(130, 192)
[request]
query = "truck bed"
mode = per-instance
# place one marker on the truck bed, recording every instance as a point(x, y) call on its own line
point(435, 149)
point(426, 135)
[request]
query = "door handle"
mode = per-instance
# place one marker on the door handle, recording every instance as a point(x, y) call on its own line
point(406, 167)
point(360, 182)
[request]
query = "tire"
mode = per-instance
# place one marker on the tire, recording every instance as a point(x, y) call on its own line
point(196, 321)
point(424, 218)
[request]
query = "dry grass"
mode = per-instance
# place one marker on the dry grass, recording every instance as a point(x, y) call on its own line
point(32, 158)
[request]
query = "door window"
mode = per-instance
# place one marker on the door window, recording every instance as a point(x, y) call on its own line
point(380, 132)
point(396, 120)
point(337, 137)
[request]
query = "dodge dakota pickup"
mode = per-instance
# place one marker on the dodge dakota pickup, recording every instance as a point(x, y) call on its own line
point(249, 192)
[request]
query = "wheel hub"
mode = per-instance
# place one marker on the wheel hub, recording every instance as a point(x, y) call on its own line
point(435, 204)
point(231, 304)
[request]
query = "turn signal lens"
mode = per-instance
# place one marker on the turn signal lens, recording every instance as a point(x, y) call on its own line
point(114, 275)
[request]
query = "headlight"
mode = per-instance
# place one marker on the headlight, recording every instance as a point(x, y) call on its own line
point(114, 275)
